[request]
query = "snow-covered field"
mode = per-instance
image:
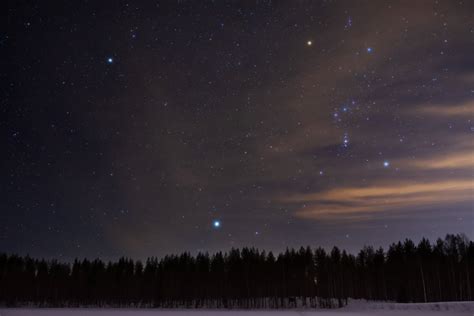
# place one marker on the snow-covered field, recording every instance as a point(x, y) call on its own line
point(355, 308)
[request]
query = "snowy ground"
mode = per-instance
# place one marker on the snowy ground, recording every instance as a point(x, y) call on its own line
point(355, 308)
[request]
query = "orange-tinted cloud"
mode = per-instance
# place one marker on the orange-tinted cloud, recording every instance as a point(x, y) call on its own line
point(457, 160)
point(350, 201)
point(464, 109)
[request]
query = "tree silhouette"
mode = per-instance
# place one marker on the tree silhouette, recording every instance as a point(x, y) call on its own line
point(248, 278)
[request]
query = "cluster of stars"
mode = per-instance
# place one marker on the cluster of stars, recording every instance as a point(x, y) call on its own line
point(345, 140)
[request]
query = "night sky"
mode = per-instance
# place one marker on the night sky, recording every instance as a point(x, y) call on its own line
point(147, 128)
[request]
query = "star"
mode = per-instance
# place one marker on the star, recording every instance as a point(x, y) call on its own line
point(309, 43)
point(345, 140)
point(369, 49)
point(386, 164)
point(348, 23)
point(216, 224)
point(110, 60)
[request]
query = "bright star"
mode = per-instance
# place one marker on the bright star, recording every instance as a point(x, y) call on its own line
point(110, 60)
point(386, 164)
point(309, 43)
point(216, 224)
point(369, 49)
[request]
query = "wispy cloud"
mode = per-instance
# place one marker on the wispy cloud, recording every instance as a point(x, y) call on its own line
point(459, 160)
point(385, 194)
point(463, 109)
point(350, 201)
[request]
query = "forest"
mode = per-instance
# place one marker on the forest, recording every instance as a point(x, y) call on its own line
point(248, 278)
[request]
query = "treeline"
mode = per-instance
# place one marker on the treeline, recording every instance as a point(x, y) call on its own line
point(248, 278)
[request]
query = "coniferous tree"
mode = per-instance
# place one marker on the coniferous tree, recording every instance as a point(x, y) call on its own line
point(248, 278)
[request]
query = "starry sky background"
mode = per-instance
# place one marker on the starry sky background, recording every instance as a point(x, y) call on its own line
point(128, 128)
